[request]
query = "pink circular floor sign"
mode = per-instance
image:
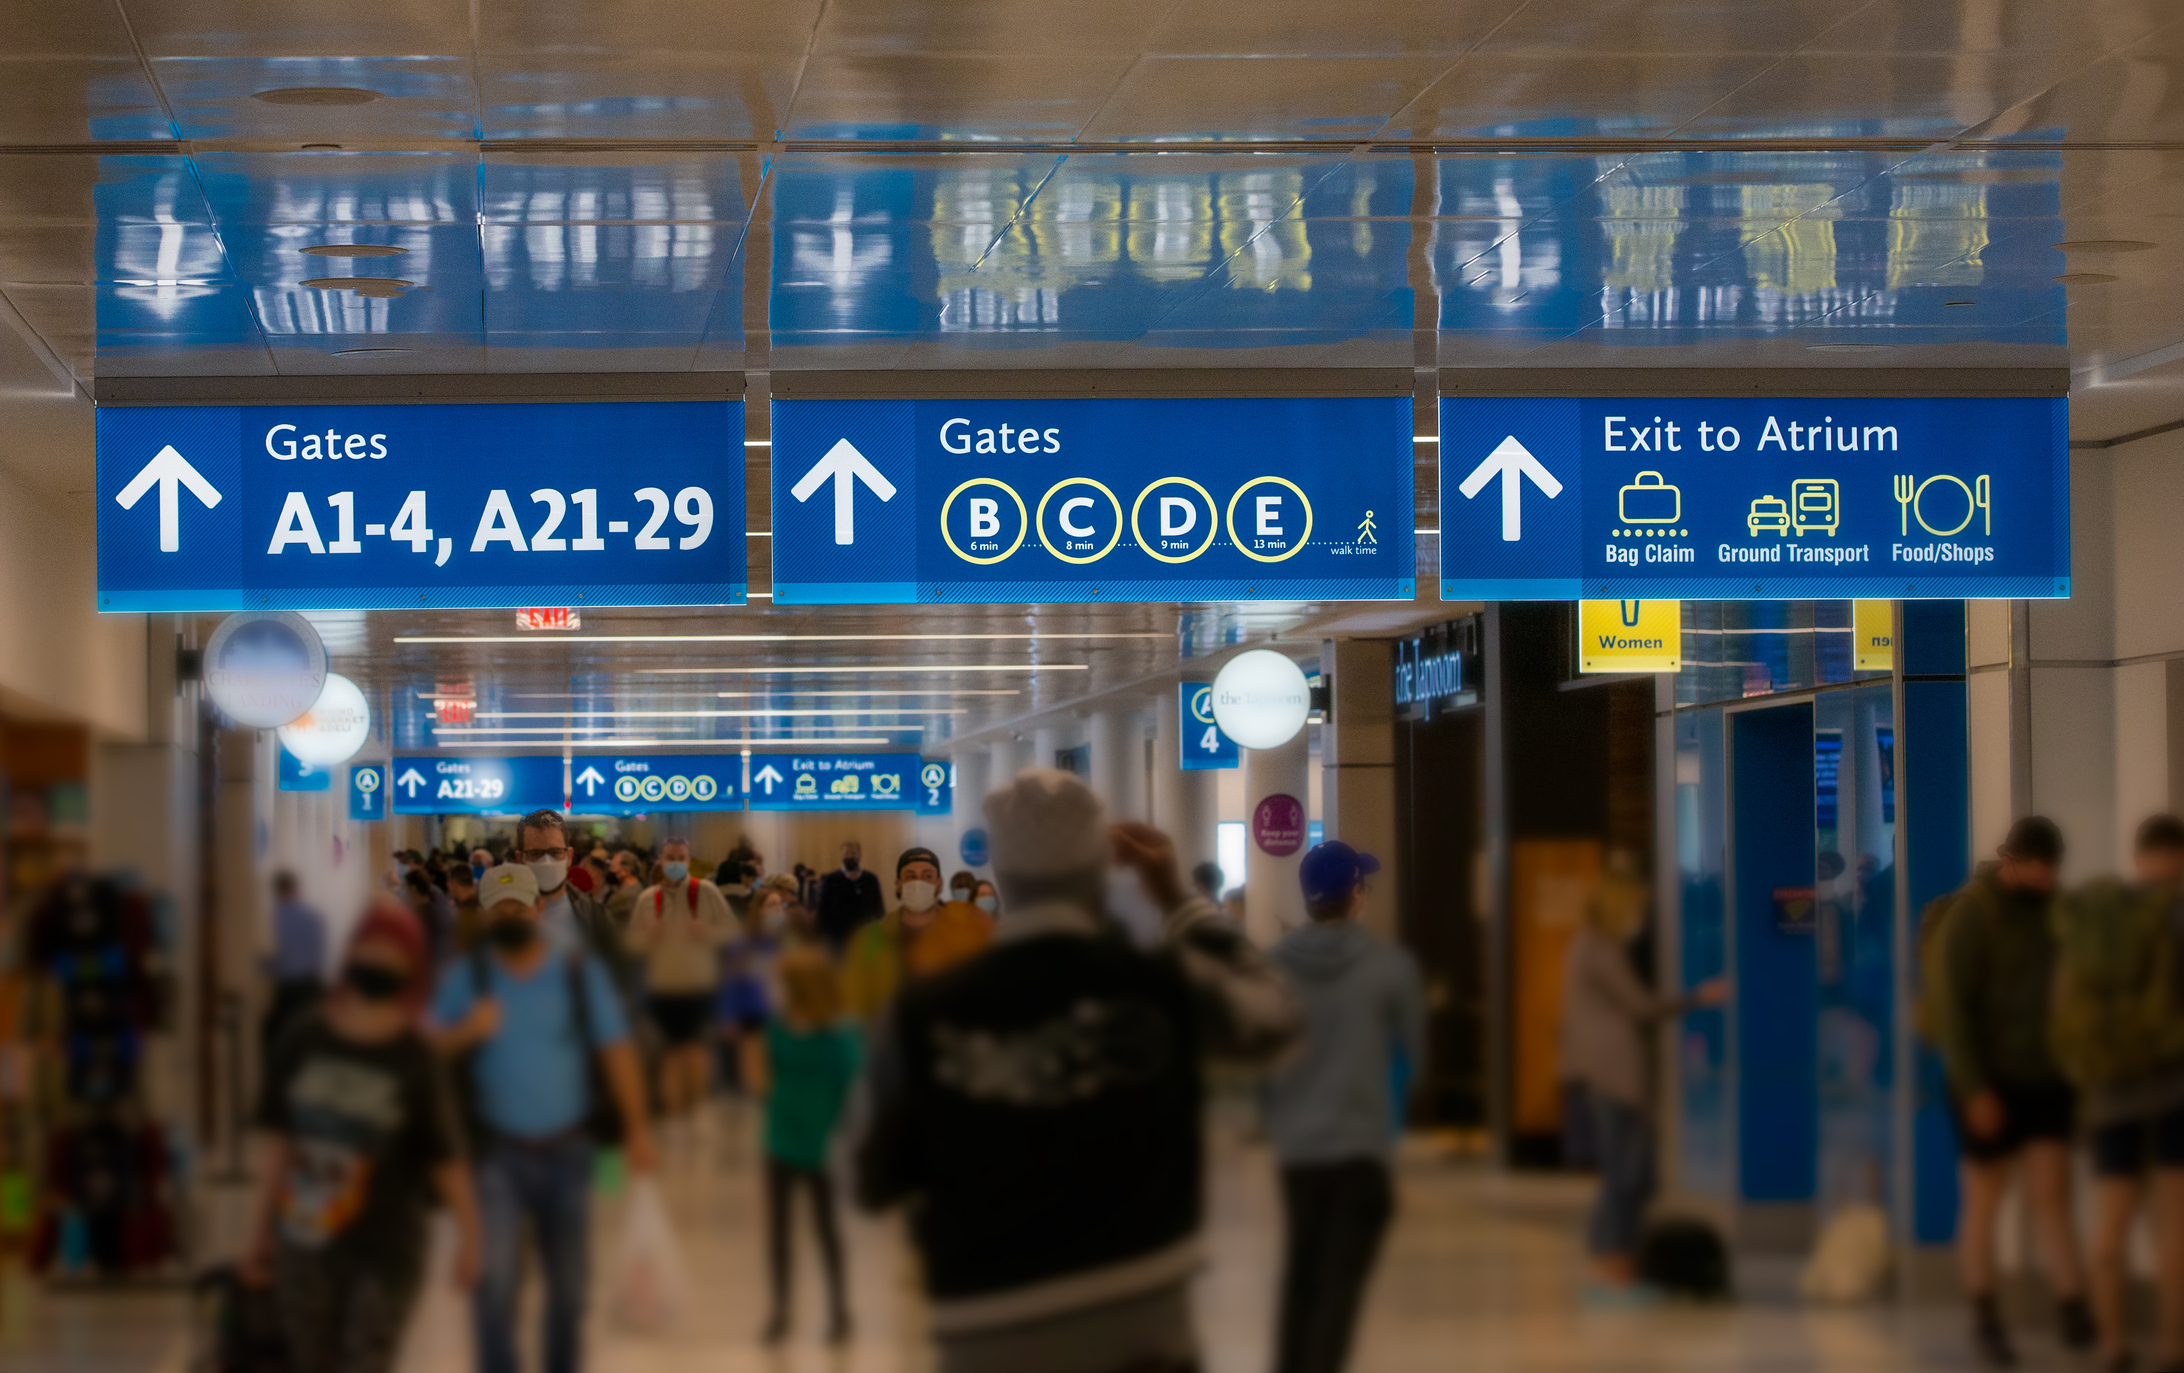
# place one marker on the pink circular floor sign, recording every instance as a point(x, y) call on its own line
point(1277, 825)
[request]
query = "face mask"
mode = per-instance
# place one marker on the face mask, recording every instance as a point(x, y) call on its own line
point(771, 919)
point(513, 933)
point(676, 872)
point(374, 982)
point(989, 904)
point(551, 873)
point(477, 872)
point(849, 865)
point(919, 896)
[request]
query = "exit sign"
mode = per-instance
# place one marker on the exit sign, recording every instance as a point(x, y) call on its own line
point(548, 617)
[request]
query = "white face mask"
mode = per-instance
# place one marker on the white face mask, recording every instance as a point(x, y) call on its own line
point(551, 873)
point(919, 896)
point(772, 918)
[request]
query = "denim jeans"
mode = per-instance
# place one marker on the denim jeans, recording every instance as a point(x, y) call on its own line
point(547, 1189)
point(1623, 1140)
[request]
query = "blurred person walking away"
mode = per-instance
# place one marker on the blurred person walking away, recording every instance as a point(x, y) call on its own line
point(623, 888)
point(1039, 1106)
point(298, 963)
point(802, 1065)
point(736, 881)
point(359, 1136)
point(1605, 1049)
point(1989, 969)
point(750, 991)
point(1336, 1108)
point(678, 930)
point(2117, 1026)
point(848, 897)
point(480, 860)
point(1208, 879)
point(435, 912)
point(916, 939)
point(549, 1069)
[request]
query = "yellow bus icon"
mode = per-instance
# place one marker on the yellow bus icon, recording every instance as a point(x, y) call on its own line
point(1816, 505)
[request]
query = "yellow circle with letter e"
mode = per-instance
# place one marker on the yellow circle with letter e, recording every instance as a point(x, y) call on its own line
point(1022, 521)
point(1138, 533)
point(1040, 520)
point(1289, 552)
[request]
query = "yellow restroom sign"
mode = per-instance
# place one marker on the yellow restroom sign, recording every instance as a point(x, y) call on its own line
point(1629, 636)
point(1873, 627)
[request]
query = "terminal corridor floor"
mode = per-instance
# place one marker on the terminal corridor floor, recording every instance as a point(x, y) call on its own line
point(1482, 1272)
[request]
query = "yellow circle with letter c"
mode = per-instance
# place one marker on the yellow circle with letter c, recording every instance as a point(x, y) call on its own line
point(1302, 539)
point(1040, 520)
point(1213, 530)
point(1022, 521)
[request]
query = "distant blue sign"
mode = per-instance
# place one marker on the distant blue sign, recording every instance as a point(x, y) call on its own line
point(973, 848)
point(297, 775)
point(1205, 747)
point(835, 781)
point(1559, 499)
point(378, 506)
point(639, 784)
point(936, 787)
point(368, 791)
point(897, 501)
point(437, 784)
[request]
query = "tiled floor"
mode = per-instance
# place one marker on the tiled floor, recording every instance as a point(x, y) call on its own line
point(1481, 1275)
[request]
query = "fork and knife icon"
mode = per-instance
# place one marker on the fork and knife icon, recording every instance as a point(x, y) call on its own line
point(1978, 503)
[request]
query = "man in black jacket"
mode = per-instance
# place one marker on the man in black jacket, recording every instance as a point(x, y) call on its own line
point(848, 897)
point(1039, 1105)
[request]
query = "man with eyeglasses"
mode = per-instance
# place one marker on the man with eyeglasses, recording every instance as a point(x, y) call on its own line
point(572, 920)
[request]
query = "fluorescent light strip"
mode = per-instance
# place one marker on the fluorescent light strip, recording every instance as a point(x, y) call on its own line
point(822, 695)
point(758, 443)
point(723, 744)
point(1033, 635)
point(876, 668)
point(1425, 438)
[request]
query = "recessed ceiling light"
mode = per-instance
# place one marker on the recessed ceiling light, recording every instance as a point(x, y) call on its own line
point(366, 352)
point(354, 250)
point(2085, 278)
point(2104, 245)
point(376, 288)
point(317, 95)
point(1848, 347)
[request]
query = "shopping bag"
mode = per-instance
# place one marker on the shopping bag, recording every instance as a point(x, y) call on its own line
point(649, 1287)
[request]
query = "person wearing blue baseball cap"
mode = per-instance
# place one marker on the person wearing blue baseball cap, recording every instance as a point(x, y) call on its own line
point(1334, 1110)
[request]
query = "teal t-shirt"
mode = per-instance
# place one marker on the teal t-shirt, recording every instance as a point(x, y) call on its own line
point(812, 1070)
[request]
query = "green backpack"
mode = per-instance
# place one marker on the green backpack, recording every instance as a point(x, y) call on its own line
point(1934, 918)
point(2115, 1015)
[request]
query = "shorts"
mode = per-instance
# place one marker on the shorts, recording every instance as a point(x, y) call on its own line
point(683, 1020)
point(2124, 1149)
point(2042, 1112)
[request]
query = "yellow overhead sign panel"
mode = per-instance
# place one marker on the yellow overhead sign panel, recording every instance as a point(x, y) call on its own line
point(1629, 636)
point(1873, 631)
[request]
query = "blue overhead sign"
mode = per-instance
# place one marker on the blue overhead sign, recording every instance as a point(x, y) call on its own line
point(1743, 499)
point(936, 787)
point(296, 775)
point(835, 781)
point(1205, 747)
point(645, 783)
point(437, 784)
point(368, 791)
point(382, 506)
point(970, 501)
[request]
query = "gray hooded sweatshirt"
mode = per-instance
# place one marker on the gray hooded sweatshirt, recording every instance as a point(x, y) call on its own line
point(1364, 1013)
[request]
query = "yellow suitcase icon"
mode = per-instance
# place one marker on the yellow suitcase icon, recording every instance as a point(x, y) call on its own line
point(1649, 499)
point(1816, 505)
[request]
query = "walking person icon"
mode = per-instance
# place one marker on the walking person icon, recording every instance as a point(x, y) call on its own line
point(1365, 529)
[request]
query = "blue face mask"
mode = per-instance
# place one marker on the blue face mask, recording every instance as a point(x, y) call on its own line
point(477, 872)
point(676, 872)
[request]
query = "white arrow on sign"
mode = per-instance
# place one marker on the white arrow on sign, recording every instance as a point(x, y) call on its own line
point(771, 776)
point(590, 779)
point(412, 779)
point(168, 470)
point(1512, 462)
point(847, 467)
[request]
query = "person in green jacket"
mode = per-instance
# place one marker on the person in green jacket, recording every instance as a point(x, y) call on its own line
point(2012, 1103)
point(803, 1066)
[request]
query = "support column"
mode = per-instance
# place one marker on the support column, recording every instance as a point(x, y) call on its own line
point(1184, 803)
point(973, 767)
point(1273, 904)
point(1046, 741)
point(1005, 758)
point(1118, 761)
point(1357, 762)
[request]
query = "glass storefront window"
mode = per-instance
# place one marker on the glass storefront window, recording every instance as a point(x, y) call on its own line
point(1738, 649)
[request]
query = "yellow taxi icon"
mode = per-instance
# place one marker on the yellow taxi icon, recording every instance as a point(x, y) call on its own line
point(1770, 515)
